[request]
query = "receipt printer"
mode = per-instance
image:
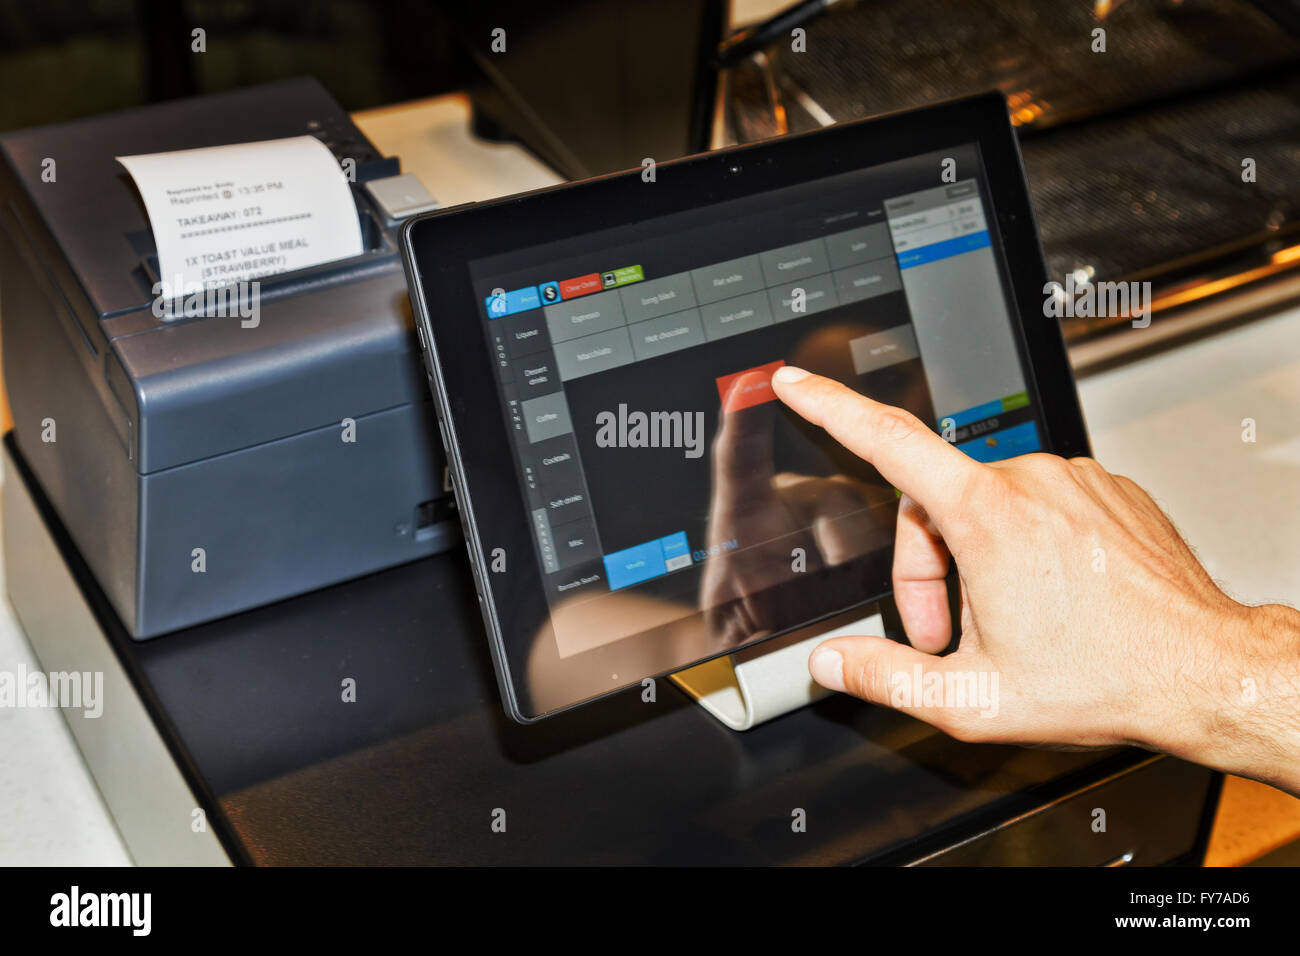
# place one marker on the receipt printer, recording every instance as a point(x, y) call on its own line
point(201, 466)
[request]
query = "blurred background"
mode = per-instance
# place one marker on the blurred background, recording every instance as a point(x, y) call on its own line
point(1133, 143)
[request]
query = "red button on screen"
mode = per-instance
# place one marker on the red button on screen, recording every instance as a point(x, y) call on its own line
point(582, 285)
point(753, 386)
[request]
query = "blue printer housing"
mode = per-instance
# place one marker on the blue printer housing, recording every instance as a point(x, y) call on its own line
point(177, 434)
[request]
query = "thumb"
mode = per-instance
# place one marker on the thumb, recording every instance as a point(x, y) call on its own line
point(884, 672)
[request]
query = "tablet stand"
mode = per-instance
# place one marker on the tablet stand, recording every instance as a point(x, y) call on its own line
point(755, 684)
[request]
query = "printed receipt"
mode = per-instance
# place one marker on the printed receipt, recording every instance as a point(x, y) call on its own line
point(229, 214)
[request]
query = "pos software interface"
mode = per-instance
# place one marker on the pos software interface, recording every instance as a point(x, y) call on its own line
point(635, 498)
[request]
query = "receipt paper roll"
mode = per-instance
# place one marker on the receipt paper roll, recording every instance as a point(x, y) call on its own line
point(229, 214)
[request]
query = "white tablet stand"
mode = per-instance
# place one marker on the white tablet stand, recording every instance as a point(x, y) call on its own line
point(758, 683)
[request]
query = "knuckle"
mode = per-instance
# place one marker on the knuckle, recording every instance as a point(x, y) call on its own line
point(1091, 473)
point(895, 424)
point(1051, 466)
point(867, 678)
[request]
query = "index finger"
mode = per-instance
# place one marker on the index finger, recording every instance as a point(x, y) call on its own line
point(910, 457)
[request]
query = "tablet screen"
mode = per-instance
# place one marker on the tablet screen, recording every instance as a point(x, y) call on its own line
point(668, 492)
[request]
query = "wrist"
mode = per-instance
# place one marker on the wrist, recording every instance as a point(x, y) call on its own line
point(1240, 712)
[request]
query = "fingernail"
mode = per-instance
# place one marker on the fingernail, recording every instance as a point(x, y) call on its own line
point(827, 668)
point(790, 374)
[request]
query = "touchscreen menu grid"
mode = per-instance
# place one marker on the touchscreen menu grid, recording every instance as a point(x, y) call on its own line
point(632, 319)
point(588, 332)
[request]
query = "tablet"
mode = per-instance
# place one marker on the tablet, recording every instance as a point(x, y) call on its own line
point(634, 498)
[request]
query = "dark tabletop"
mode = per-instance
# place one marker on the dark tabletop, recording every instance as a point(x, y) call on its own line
point(413, 770)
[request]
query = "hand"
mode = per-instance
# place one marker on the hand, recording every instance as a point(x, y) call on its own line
point(1081, 605)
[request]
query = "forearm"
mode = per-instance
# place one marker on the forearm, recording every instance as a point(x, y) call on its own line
point(1241, 714)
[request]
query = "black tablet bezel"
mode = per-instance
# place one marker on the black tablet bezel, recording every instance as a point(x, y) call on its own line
point(438, 247)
